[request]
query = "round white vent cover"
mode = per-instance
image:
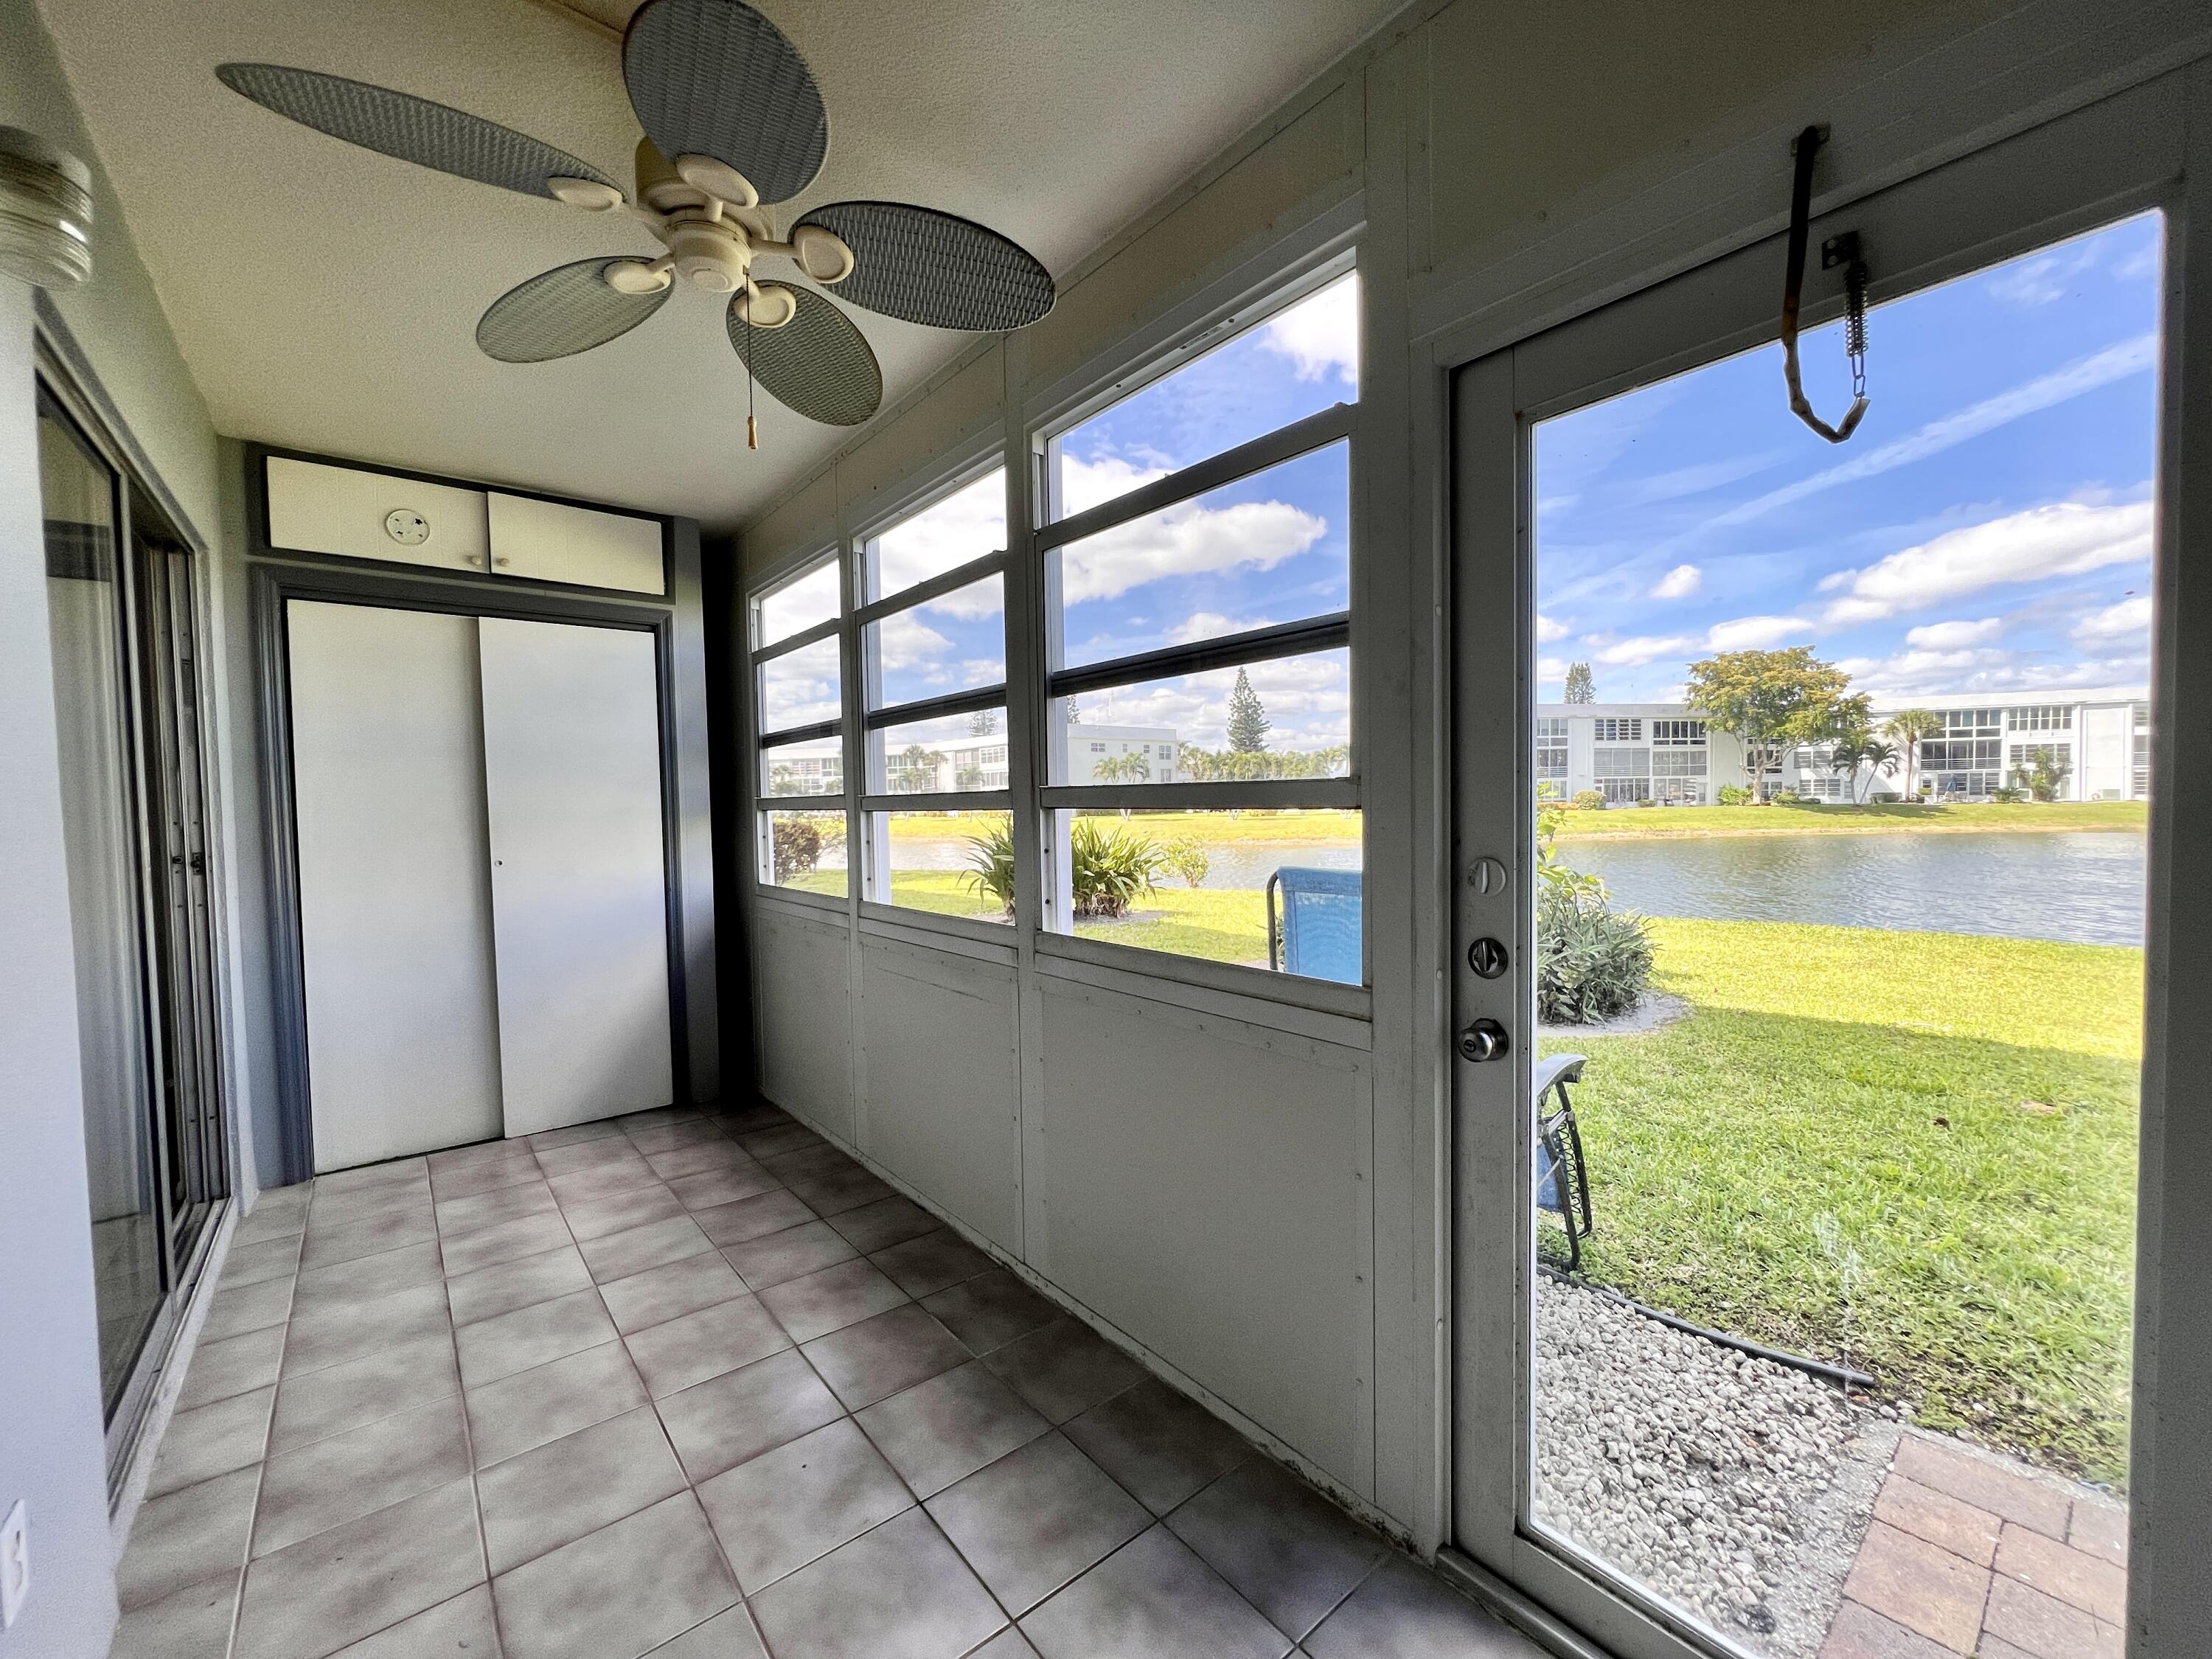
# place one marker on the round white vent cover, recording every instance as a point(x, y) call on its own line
point(407, 527)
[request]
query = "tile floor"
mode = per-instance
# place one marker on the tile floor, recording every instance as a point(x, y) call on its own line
point(701, 1386)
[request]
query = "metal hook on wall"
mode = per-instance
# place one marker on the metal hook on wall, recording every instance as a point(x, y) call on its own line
point(1842, 250)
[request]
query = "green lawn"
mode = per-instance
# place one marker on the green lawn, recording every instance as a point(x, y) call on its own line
point(1960, 1111)
point(1803, 818)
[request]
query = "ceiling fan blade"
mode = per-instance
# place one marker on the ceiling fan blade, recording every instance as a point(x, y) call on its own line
point(561, 312)
point(398, 123)
point(715, 77)
point(818, 363)
point(936, 268)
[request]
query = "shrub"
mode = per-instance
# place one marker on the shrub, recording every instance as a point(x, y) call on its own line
point(991, 864)
point(1784, 797)
point(1109, 868)
point(1735, 794)
point(2010, 797)
point(1592, 961)
point(1588, 800)
point(798, 840)
point(1187, 859)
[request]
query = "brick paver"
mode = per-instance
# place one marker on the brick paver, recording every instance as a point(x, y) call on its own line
point(1966, 1558)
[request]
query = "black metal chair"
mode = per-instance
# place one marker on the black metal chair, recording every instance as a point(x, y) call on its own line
point(1562, 1177)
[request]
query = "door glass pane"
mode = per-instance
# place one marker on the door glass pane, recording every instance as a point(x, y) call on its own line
point(1839, 976)
point(84, 598)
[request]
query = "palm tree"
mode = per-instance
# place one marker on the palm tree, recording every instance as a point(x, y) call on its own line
point(1879, 759)
point(1909, 726)
point(1846, 754)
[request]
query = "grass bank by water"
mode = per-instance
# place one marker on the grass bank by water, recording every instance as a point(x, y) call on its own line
point(1808, 818)
point(1912, 1152)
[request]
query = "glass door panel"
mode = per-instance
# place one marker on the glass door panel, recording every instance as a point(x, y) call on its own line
point(86, 606)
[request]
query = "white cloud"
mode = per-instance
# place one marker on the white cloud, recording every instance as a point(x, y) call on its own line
point(2136, 355)
point(1548, 631)
point(1321, 334)
point(1084, 484)
point(904, 641)
point(1635, 651)
point(966, 525)
point(2127, 622)
point(2144, 262)
point(1551, 668)
point(1211, 625)
point(1307, 701)
point(1694, 480)
point(2039, 280)
point(1954, 635)
point(1183, 541)
point(1756, 633)
point(1915, 674)
point(2066, 540)
point(1679, 583)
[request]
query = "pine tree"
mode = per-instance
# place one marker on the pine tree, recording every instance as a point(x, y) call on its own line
point(983, 723)
point(1580, 687)
point(1247, 720)
point(1074, 714)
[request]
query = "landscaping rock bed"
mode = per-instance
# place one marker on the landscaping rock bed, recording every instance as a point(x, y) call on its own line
point(1702, 1471)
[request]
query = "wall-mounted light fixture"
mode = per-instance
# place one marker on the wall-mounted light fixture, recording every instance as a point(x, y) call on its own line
point(45, 212)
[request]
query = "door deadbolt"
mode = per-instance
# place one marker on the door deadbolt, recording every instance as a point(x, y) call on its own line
point(1487, 958)
point(1484, 1040)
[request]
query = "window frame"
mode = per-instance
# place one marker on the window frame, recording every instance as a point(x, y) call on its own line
point(1054, 806)
point(761, 742)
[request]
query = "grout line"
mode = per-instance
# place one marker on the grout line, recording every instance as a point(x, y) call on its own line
point(468, 1430)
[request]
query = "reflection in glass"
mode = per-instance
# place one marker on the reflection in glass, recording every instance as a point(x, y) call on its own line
point(956, 754)
point(966, 525)
point(1290, 717)
point(953, 863)
point(1274, 547)
point(1296, 363)
point(799, 604)
point(955, 642)
point(84, 602)
point(801, 687)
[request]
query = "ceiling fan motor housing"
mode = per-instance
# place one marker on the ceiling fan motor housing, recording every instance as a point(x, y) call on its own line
point(712, 254)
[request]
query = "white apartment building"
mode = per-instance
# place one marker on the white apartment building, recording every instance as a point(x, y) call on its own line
point(980, 762)
point(1629, 752)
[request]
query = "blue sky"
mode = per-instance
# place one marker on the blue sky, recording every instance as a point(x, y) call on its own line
point(1987, 529)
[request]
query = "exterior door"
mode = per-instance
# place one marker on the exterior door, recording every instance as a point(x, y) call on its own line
point(2088, 170)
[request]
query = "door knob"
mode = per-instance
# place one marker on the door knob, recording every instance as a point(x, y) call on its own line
point(1484, 1040)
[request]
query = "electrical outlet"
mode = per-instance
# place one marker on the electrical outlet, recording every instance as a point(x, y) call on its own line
point(15, 1563)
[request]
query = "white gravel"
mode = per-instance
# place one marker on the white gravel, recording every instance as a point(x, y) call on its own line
point(1686, 1464)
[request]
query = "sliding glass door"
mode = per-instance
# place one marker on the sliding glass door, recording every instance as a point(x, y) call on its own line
point(119, 603)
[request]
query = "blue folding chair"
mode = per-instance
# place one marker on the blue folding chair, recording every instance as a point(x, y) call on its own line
point(1562, 1177)
point(1318, 933)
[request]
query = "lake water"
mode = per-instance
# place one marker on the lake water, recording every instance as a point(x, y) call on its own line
point(2085, 889)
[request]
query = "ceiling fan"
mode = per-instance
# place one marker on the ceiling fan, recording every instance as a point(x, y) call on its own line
point(733, 122)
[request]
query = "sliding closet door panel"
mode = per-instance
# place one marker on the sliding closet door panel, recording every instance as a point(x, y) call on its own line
point(572, 773)
point(395, 901)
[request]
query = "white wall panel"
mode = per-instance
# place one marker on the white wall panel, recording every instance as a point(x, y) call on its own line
point(553, 542)
point(803, 996)
point(342, 509)
point(943, 1082)
point(1205, 1186)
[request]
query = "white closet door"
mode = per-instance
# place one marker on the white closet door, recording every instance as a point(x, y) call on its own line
point(572, 777)
point(395, 901)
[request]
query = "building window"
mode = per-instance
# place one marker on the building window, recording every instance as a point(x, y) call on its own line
point(1677, 732)
point(1197, 578)
point(2140, 782)
point(1619, 730)
point(799, 723)
point(2043, 717)
point(1551, 748)
point(933, 671)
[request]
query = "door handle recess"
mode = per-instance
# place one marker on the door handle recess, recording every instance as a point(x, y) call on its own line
point(1484, 1040)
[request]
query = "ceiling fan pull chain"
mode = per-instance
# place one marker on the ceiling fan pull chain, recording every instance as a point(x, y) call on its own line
point(1840, 250)
point(753, 426)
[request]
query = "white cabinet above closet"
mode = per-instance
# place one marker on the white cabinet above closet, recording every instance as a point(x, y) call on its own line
point(554, 543)
point(315, 508)
point(360, 513)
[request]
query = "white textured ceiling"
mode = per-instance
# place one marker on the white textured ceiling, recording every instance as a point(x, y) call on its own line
point(326, 297)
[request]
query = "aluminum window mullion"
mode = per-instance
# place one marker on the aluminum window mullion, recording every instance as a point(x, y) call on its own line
point(976, 800)
point(800, 803)
point(790, 642)
point(1316, 431)
point(1251, 794)
point(932, 587)
point(1325, 633)
point(768, 740)
point(953, 703)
